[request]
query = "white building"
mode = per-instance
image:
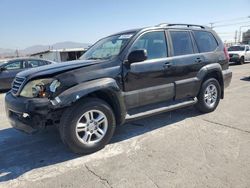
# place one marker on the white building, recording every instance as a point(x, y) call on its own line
point(60, 55)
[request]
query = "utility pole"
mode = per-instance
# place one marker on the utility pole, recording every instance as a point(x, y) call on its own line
point(235, 37)
point(239, 39)
point(17, 54)
point(211, 25)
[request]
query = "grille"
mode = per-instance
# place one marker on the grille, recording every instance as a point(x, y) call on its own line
point(16, 85)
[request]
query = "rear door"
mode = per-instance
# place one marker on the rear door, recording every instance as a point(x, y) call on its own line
point(185, 63)
point(9, 73)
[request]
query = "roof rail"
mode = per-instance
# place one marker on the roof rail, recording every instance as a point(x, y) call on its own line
point(187, 25)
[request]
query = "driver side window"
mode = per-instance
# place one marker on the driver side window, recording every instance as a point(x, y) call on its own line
point(154, 43)
point(14, 65)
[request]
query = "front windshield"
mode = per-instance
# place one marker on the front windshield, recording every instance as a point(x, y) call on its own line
point(236, 48)
point(107, 48)
point(2, 62)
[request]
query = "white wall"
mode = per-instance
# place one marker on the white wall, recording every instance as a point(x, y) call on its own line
point(53, 56)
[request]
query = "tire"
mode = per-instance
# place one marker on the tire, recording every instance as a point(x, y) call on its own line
point(210, 92)
point(83, 136)
point(242, 61)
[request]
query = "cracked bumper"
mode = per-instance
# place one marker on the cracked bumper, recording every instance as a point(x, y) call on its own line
point(25, 114)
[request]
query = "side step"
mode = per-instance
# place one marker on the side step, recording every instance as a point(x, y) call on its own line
point(155, 111)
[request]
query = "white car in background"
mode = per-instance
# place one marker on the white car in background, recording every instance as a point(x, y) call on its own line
point(239, 54)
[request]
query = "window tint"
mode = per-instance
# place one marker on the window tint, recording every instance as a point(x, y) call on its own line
point(182, 43)
point(154, 43)
point(205, 41)
point(32, 63)
point(14, 65)
point(44, 63)
point(236, 48)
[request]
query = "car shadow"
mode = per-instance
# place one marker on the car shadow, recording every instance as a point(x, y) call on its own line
point(233, 64)
point(4, 91)
point(245, 78)
point(21, 153)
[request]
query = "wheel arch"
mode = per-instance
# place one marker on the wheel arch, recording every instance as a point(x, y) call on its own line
point(212, 71)
point(105, 88)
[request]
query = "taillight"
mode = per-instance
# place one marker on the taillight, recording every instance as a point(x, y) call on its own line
point(226, 53)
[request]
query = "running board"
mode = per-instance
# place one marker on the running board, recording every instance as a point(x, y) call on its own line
point(160, 110)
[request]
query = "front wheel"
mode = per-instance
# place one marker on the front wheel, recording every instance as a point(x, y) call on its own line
point(87, 126)
point(209, 96)
point(242, 60)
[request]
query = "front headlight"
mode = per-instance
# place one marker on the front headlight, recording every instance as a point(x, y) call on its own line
point(40, 88)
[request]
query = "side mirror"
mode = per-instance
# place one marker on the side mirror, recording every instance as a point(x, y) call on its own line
point(137, 56)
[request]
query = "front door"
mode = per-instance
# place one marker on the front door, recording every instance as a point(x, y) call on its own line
point(9, 72)
point(148, 81)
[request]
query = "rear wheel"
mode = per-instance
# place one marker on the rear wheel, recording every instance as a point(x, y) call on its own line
point(209, 96)
point(87, 126)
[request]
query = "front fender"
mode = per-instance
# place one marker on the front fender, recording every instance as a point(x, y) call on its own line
point(75, 93)
point(105, 85)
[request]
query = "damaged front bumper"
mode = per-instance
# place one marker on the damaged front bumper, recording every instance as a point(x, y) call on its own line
point(27, 114)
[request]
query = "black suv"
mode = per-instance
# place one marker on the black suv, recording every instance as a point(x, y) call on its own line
point(125, 76)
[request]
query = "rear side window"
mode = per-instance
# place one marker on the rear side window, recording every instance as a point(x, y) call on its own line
point(42, 63)
point(32, 63)
point(182, 43)
point(205, 41)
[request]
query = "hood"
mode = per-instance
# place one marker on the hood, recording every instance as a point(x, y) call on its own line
point(56, 68)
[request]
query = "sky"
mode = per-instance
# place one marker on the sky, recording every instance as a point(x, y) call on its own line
point(24, 23)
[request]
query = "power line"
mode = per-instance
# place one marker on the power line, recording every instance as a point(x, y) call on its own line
point(213, 24)
point(229, 20)
point(225, 25)
point(226, 32)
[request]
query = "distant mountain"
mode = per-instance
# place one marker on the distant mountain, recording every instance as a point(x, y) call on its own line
point(3, 50)
point(40, 48)
point(61, 45)
point(34, 49)
point(6, 52)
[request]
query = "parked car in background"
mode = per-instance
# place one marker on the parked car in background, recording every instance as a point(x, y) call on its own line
point(9, 69)
point(239, 54)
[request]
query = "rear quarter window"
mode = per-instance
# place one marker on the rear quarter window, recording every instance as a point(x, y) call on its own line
point(205, 41)
point(42, 63)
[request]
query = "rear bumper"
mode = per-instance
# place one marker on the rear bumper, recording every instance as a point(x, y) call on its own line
point(24, 114)
point(227, 77)
point(234, 59)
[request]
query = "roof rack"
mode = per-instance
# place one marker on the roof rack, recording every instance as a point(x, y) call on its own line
point(187, 25)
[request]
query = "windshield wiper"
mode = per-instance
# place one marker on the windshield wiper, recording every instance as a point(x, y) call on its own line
point(99, 58)
point(94, 58)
